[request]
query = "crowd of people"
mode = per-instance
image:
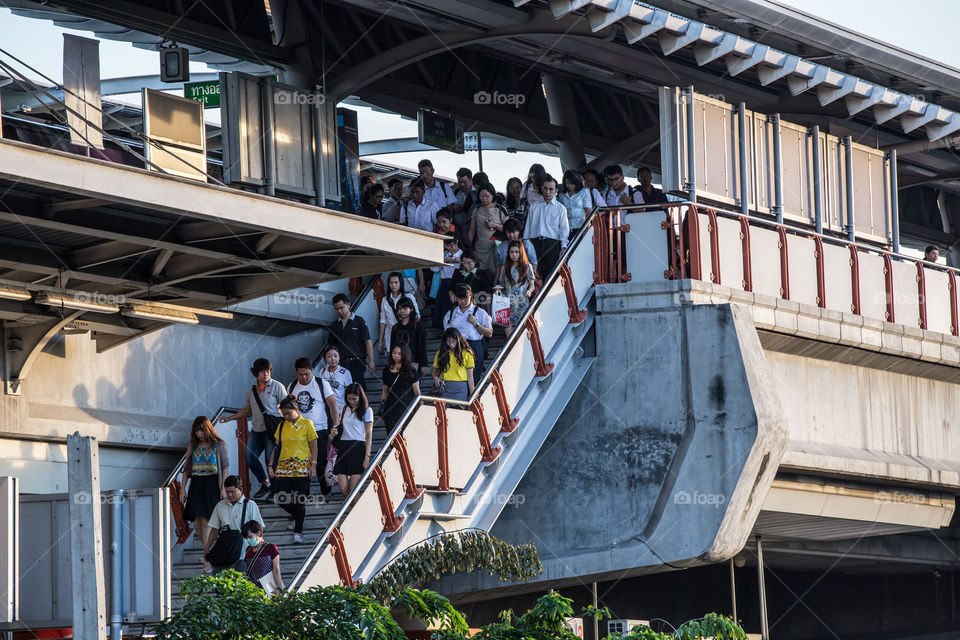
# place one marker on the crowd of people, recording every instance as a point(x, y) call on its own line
point(320, 425)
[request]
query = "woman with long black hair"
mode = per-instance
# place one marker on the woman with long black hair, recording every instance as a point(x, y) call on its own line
point(453, 366)
point(531, 188)
point(388, 308)
point(356, 423)
point(410, 331)
point(401, 384)
point(206, 468)
point(515, 205)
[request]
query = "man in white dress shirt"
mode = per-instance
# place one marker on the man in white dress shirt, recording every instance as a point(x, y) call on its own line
point(547, 227)
point(419, 213)
point(618, 191)
point(436, 191)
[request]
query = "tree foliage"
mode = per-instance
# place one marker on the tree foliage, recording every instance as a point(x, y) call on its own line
point(712, 625)
point(465, 551)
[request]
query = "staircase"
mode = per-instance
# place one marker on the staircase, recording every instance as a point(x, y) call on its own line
point(451, 465)
point(188, 560)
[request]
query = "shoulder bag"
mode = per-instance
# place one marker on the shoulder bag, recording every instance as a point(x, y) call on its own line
point(229, 544)
point(271, 422)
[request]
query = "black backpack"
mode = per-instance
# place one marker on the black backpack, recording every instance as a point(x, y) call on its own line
point(229, 545)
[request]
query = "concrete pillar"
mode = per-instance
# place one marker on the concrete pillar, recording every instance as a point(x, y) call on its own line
point(86, 538)
point(563, 113)
point(9, 550)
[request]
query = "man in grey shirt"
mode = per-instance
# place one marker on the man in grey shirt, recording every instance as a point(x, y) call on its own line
point(259, 441)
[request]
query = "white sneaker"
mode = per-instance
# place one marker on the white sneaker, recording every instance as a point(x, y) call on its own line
point(297, 538)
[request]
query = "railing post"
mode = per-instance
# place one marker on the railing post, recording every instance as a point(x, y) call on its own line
point(851, 223)
point(391, 521)
point(488, 452)
point(784, 264)
point(410, 488)
point(821, 277)
point(619, 229)
point(507, 423)
point(543, 368)
point(673, 272)
point(922, 293)
point(693, 242)
point(888, 283)
point(183, 527)
point(378, 293)
point(714, 231)
point(242, 469)
point(443, 453)
point(817, 198)
point(355, 286)
point(854, 279)
point(691, 148)
point(745, 248)
point(600, 249)
point(576, 314)
point(777, 169)
point(742, 146)
point(339, 551)
point(894, 202)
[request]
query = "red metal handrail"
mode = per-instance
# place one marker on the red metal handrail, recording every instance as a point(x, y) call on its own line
point(507, 422)
point(543, 367)
point(242, 471)
point(391, 521)
point(443, 451)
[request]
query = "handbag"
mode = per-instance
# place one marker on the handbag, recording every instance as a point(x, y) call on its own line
point(226, 550)
point(267, 582)
point(328, 473)
point(271, 422)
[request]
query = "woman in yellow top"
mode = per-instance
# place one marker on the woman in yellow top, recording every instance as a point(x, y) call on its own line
point(297, 452)
point(453, 367)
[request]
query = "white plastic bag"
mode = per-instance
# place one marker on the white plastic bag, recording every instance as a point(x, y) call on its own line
point(501, 309)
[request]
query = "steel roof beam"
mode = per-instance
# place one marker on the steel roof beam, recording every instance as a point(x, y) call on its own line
point(604, 13)
point(707, 53)
point(670, 43)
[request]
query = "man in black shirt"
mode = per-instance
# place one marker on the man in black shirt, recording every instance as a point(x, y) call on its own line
point(651, 195)
point(349, 334)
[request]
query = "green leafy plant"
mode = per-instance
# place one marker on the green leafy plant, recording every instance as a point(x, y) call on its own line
point(464, 551)
point(544, 621)
point(712, 625)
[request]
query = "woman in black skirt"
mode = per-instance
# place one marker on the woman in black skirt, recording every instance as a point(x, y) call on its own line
point(353, 452)
point(401, 384)
point(410, 331)
point(206, 468)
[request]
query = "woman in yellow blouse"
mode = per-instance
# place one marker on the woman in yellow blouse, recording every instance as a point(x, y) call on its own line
point(453, 367)
point(297, 453)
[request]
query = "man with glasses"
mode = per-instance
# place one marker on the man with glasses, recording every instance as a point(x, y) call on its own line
point(618, 191)
point(548, 227)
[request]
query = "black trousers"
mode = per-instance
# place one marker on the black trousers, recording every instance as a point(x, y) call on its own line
point(548, 254)
point(323, 444)
point(358, 371)
point(479, 355)
point(291, 495)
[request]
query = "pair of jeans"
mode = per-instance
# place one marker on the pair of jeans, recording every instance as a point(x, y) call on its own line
point(259, 442)
point(291, 496)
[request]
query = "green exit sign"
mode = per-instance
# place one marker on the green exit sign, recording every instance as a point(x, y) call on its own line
point(206, 92)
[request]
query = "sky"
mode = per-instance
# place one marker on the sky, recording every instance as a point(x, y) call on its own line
point(928, 30)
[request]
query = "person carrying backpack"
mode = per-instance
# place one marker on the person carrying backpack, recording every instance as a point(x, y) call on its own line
point(317, 402)
point(473, 323)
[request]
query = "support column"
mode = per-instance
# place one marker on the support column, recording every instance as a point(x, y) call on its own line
point(86, 538)
point(288, 25)
point(563, 113)
point(764, 628)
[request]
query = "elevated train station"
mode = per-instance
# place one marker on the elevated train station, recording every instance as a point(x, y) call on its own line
point(742, 400)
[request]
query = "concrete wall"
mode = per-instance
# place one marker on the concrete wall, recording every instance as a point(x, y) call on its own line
point(664, 454)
